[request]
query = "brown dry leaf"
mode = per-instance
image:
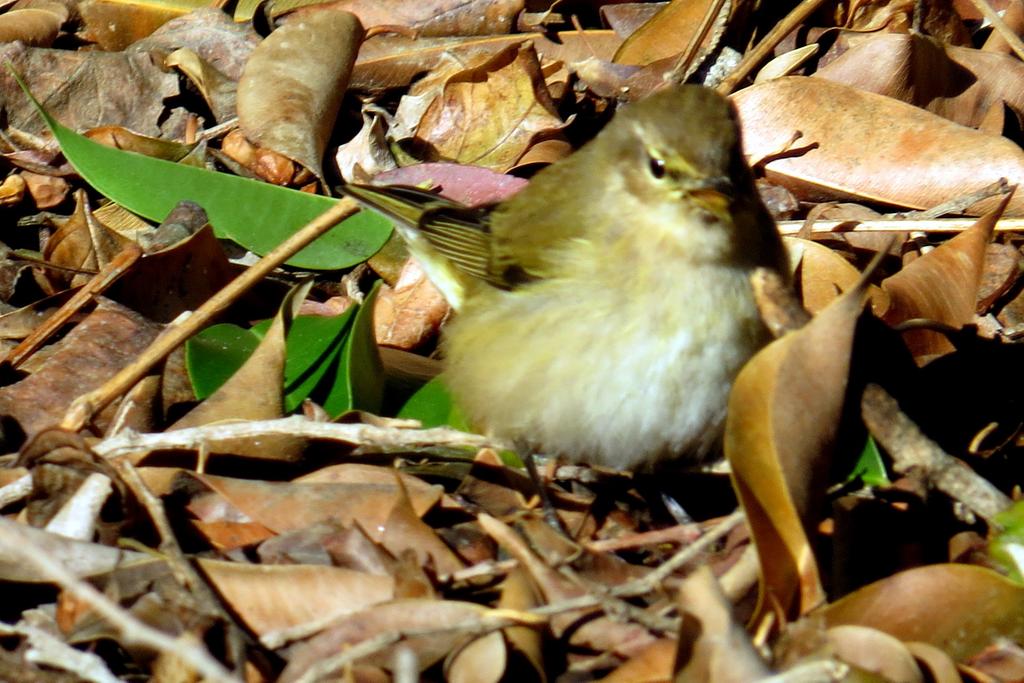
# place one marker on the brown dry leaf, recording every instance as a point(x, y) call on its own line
point(935, 662)
point(120, 137)
point(652, 664)
point(366, 154)
point(210, 34)
point(261, 162)
point(875, 652)
point(437, 17)
point(286, 506)
point(80, 558)
point(599, 633)
point(219, 91)
point(116, 24)
point(626, 18)
point(186, 273)
point(271, 598)
point(390, 618)
point(786, 63)
point(1002, 271)
point(83, 90)
point(942, 285)
point(822, 275)
point(292, 86)
point(81, 243)
point(394, 61)
point(491, 114)
point(98, 347)
point(408, 314)
point(255, 392)
point(519, 593)
point(957, 83)
point(35, 27)
point(12, 191)
point(713, 646)
point(47, 191)
point(667, 33)
point(481, 660)
point(957, 608)
point(404, 531)
point(782, 419)
point(916, 159)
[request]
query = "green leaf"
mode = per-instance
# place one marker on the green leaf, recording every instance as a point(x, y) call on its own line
point(358, 382)
point(1007, 548)
point(256, 215)
point(313, 347)
point(870, 468)
point(433, 406)
point(213, 355)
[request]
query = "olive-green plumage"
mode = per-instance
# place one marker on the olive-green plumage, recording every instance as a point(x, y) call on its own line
point(604, 311)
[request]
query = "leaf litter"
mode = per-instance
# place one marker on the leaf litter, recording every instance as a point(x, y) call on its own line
point(225, 539)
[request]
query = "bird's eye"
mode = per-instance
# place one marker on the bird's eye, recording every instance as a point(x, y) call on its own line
point(657, 167)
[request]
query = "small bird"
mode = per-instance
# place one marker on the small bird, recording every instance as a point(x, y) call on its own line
point(603, 312)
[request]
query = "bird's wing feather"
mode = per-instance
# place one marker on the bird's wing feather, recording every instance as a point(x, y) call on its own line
point(453, 242)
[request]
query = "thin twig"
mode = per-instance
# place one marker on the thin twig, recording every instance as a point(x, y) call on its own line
point(181, 568)
point(1007, 34)
point(131, 630)
point(764, 49)
point(891, 225)
point(912, 451)
point(367, 436)
point(84, 407)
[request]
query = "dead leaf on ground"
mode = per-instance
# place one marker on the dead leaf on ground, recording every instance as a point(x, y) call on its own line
point(916, 159)
point(388, 61)
point(490, 114)
point(784, 411)
point(291, 89)
point(255, 392)
point(942, 285)
point(957, 608)
point(957, 83)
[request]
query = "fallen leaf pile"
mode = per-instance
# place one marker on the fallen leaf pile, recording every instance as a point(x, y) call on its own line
point(228, 457)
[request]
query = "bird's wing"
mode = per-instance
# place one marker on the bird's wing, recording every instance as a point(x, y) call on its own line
point(453, 242)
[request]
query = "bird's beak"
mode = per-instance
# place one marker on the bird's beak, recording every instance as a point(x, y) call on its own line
point(714, 194)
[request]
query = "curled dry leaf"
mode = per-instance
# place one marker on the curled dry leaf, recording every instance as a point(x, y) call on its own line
point(490, 115)
point(437, 17)
point(942, 285)
point(292, 86)
point(822, 275)
point(394, 61)
point(957, 608)
point(255, 392)
point(667, 33)
point(916, 159)
point(957, 83)
point(481, 660)
point(783, 414)
point(786, 63)
point(874, 651)
point(411, 312)
point(218, 90)
point(35, 27)
point(713, 646)
point(519, 593)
